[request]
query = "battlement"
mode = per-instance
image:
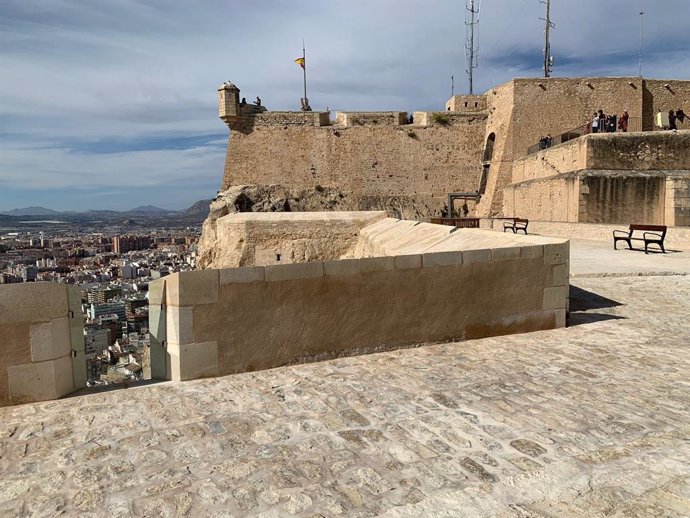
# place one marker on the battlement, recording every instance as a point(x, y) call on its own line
point(349, 119)
point(467, 103)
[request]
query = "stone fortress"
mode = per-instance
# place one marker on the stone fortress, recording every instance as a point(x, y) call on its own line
point(318, 249)
point(479, 144)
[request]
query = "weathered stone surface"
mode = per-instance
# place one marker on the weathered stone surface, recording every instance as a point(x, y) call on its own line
point(591, 420)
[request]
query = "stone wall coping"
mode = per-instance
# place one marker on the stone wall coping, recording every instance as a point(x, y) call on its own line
point(282, 217)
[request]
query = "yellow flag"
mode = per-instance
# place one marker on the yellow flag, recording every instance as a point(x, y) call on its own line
point(300, 62)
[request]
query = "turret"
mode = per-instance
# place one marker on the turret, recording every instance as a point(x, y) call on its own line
point(228, 102)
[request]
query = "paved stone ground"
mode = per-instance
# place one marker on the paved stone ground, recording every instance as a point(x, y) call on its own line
point(597, 258)
point(591, 421)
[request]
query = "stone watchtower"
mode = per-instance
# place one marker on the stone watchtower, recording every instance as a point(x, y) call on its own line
point(231, 111)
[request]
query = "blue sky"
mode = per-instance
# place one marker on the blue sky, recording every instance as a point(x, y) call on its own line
point(111, 104)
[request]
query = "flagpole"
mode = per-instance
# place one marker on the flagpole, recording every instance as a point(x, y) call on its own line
point(304, 70)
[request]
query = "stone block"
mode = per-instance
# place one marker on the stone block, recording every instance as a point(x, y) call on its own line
point(50, 340)
point(559, 275)
point(193, 361)
point(476, 256)
point(532, 252)
point(33, 301)
point(407, 262)
point(505, 254)
point(40, 381)
point(555, 297)
point(190, 288)
point(556, 253)
point(560, 318)
point(441, 259)
point(242, 275)
point(180, 325)
point(157, 292)
point(41, 342)
point(342, 267)
point(289, 272)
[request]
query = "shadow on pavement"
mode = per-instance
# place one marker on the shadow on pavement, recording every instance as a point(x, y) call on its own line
point(583, 301)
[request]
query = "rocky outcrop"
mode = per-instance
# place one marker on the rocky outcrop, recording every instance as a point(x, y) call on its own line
point(276, 198)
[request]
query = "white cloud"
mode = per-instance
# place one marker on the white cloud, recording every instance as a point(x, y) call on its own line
point(76, 72)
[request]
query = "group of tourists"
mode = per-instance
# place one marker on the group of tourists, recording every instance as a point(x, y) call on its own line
point(602, 123)
point(674, 118)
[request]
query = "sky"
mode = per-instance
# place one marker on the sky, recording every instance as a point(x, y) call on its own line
point(111, 104)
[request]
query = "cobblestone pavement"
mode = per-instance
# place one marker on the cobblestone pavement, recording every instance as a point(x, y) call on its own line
point(587, 421)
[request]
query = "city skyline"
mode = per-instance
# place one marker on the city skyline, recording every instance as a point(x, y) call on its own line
point(113, 105)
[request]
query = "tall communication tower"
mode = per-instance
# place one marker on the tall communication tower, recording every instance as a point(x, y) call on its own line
point(548, 58)
point(471, 19)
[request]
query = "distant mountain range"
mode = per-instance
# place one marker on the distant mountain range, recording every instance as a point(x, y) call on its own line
point(199, 209)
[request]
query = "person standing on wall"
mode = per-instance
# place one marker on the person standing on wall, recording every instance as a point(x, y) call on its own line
point(602, 121)
point(595, 123)
point(672, 120)
point(623, 122)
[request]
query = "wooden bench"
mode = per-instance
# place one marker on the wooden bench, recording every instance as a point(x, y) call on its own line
point(651, 235)
point(516, 224)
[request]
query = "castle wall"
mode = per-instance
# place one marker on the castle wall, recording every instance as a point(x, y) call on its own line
point(364, 160)
point(263, 238)
point(219, 322)
point(524, 110)
point(41, 342)
point(659, 97)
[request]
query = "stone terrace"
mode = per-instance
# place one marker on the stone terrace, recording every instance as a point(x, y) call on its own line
point(586, 421)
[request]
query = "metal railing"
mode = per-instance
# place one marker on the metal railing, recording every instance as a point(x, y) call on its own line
point(457, 222)
point(634, 124)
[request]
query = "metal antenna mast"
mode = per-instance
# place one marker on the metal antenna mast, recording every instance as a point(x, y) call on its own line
point(471, 19)
point(641, 40)
point(548, 58)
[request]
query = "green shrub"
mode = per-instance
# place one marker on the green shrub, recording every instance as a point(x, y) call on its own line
point(441, 118)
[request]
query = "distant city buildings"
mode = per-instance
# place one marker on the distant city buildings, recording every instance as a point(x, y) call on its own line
point(124, 244)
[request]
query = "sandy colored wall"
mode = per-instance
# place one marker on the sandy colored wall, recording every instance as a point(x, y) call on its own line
point(364, 160)
point(41, 342)
point(662, 150)
point(660, 97)
point(524, 110)
point(564, 158)
point(219, 322)
point(550, 199)
point(622, 199)
point(259, 239)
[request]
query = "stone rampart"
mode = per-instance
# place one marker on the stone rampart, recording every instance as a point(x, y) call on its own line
point(349, 119)
point(263, 238)
point(609, 178)
point(366, 162)
point(443, 285)
point(42, 344)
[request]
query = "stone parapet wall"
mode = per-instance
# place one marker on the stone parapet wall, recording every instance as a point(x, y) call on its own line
point(41, 342)
point(260, 239)
point(271, 118)
point(349, 119)
point(361, 161)
point(564, 158)
point(217, 322)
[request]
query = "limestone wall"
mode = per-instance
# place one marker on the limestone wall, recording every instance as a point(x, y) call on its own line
point(548, 199)
point(41, 342)
point(365, 161)
point(454, 286)
point(259, 239)
point(525, 109)
point(660, 97)
point(564, 158)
